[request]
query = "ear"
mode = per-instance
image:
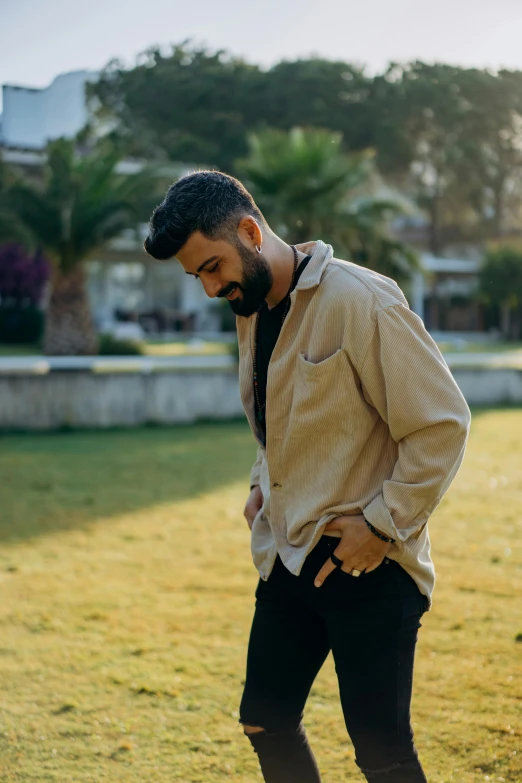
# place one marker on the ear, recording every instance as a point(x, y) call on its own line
point(249, 232)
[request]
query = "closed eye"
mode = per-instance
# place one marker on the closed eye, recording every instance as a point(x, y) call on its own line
point(208, 269)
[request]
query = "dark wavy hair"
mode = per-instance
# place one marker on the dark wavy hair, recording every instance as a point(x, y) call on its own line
point(207, 201)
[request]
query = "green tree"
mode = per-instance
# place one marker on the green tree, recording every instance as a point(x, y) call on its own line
point(491, 162)
point(448, 137)
point(451, 137)
point(419, 129)
point(199, 105)
point(80, 203)
point(500, 283)
point(308, 189)
point(317, 93)
point(189, 104)
point(11, 228)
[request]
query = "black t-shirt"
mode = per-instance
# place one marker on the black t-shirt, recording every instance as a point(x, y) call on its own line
point(270, 322)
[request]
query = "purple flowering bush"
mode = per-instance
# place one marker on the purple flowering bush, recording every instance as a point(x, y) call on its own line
point(23, 277)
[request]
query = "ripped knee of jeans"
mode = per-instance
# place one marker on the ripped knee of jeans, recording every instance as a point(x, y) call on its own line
point(272, 738)
point(252, 729)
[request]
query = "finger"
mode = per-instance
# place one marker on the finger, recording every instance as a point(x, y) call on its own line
point(325, 571)
point(374, 565)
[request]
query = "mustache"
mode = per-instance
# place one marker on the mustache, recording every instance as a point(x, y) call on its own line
point(228, 290)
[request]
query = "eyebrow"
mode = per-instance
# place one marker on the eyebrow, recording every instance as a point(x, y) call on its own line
point(203, 265)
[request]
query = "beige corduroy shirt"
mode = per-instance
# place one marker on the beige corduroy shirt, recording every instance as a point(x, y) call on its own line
point(362, 416)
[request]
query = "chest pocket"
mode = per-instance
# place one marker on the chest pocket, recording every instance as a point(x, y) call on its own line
point(320, 395)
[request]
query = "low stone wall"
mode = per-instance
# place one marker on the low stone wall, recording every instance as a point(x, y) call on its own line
point(490, 385)
point(130, 397)
point(85, 399)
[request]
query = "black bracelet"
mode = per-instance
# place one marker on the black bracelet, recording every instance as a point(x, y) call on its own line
point(379, 535)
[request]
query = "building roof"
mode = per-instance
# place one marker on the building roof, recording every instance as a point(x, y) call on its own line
point(32, 116)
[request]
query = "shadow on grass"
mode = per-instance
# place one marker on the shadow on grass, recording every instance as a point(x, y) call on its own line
point(65, 480)
point(61, 481)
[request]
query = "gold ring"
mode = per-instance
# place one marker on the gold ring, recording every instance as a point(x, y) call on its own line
point(355, 572)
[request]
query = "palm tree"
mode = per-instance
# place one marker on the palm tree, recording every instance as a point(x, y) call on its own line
point(308, 188)
point(80, 203)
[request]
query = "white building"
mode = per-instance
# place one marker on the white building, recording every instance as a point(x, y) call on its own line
point(31, 117)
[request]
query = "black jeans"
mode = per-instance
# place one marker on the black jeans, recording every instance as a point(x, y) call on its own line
point(370, 623)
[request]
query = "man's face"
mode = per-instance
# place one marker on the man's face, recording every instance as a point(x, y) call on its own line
point(231, 271)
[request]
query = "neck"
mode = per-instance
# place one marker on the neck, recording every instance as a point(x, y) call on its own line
point(281, 260)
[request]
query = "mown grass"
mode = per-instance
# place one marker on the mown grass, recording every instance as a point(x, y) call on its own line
point(185, 348)
point(150, 348)
point(12, 349)
point(126, 599)
point(472, 346)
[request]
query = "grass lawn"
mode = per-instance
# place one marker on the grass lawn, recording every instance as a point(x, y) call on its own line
point(478, 347)
point(9, 349)
point(127, 594)
point(186, 348)
point(174, 348)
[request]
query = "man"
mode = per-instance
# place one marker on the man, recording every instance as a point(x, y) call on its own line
point(360, 429)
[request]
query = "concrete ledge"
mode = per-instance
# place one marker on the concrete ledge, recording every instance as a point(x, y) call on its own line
point(490, 386)
point(85, 399)
point(127, 395)
point(42, 365)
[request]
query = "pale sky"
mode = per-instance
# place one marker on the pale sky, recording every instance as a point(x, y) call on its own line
point(39, 40)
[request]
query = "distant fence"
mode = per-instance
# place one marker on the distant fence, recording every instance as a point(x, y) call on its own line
point(46, 393)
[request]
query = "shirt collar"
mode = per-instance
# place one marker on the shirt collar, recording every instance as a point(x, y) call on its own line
point(321, 254)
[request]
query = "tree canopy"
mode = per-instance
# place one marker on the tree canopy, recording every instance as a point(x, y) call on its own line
point(449, 137)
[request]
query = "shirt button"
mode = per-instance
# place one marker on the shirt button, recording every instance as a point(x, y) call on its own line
point(277, 485)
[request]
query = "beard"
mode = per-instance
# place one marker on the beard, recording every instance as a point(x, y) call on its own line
point(255, 284)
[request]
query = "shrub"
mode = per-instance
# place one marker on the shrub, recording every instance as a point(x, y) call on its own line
point(22, 276)
point(22, 281)
point(20, 325)
point(112, 346)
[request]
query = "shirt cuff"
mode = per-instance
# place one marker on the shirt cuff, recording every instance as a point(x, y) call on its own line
point(378, 515)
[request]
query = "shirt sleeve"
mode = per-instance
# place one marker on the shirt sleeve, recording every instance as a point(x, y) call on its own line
point(405, 377)
point(256, 468)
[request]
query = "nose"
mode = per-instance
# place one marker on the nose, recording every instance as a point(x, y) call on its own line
point(212, 287)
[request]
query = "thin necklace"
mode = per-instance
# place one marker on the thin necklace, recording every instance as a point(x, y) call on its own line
point(260, 408)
